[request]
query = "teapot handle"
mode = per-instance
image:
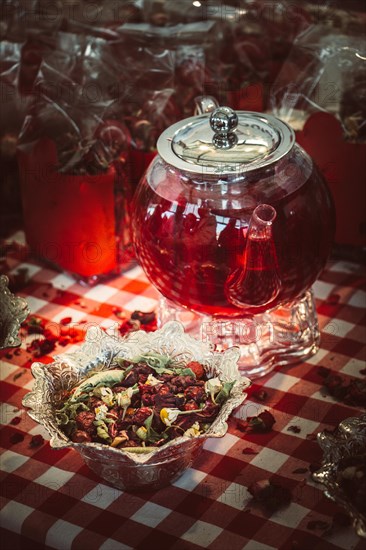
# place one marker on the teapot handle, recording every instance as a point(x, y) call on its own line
point(205, 104)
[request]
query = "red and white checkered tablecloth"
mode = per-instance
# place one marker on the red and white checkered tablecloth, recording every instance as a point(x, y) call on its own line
point(50, 499)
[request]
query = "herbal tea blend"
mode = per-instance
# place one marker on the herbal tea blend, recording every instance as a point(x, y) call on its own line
point(145, 403)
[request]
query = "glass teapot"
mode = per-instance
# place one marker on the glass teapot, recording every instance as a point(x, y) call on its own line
point(233, 221)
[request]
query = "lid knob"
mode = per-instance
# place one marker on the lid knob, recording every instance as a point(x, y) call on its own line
point(222, 121)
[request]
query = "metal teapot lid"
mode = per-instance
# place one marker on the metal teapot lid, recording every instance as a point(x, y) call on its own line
point(224, 141)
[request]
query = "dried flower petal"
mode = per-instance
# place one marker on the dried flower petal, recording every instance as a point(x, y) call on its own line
point(19, 374)
point(249, 451)
point(118, 440)
point(270, 495)
point(262, 423)
point(124, 398)
point(141, 433)
point(145, 318)
point(213, 386)
point(36, 441)
point(16, 438)
point(294, 429)
point(168, 416)
point(260, 395)
point(107, 396)
point(300, 471)
point(100, 412)
point(350, 392)
point(193, 431)
point(152, 381)
point(65, 321)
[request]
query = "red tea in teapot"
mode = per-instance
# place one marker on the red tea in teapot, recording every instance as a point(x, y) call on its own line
point(244, 250)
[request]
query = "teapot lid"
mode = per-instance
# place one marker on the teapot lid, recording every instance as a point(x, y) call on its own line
point(224, 141)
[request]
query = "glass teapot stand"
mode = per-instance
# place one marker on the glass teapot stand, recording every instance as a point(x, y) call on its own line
point(285, 335)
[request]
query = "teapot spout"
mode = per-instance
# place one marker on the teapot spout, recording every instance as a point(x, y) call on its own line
point(257, 281)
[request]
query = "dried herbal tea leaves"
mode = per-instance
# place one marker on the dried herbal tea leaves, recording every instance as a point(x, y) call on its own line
point(145, 401)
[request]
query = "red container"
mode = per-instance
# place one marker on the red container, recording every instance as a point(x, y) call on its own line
point(80, 223)
point(343, 165)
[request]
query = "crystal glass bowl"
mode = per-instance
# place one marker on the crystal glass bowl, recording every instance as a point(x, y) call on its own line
point(144, 469)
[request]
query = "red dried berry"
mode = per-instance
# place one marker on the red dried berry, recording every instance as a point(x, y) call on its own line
point(64, 341)
point(141, 415)
point(84, 421)
point(197, 368)
point(80, 437)
point(16, 420)
point(190, 406)
point(195, 393)
point(148, 395)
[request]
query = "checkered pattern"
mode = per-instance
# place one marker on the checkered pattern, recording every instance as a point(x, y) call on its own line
point(52, 500)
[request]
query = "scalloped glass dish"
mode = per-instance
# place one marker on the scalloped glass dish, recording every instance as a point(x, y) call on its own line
point(13, 311)
point(146, 469)
point(347, 443)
